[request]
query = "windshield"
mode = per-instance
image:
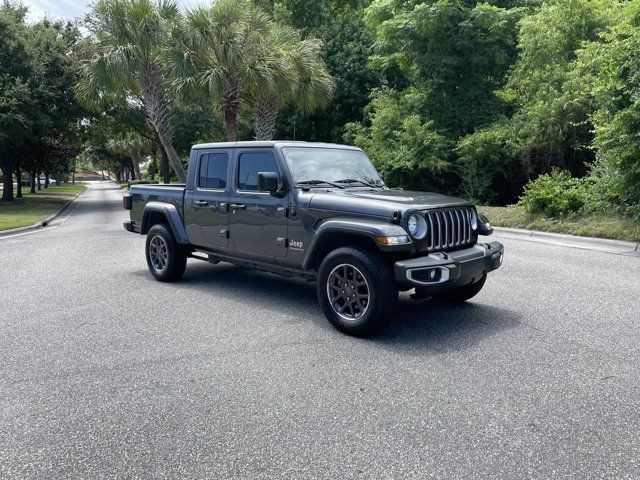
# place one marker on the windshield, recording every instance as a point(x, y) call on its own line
point(330, 165)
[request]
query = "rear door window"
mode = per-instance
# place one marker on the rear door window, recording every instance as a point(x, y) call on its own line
point(213, 171)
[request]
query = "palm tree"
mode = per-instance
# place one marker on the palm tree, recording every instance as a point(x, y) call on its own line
point(218, 53)
point(132, 144)
point(130, 37)
point(307, 83)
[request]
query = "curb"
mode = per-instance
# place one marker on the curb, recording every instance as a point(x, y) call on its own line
point(589, 243)
point(45, 221)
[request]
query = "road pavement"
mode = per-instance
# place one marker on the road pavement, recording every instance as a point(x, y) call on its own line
point(231, 373)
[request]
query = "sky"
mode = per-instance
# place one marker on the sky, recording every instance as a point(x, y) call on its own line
point(71, 8)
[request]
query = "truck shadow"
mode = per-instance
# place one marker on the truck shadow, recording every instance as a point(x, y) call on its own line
point(418, 325)
point(444, 327)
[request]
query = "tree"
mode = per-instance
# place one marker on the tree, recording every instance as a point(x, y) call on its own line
point(407, 150)
point(346, 42)
point(443, 62)
point(302, 79)
point(607, 75)
point(550, 123)
point(218, 55)
point(458, 53)
point(37, 105)
point(130, 38)
point(547, 120)
point(132, 144)
point(15, 73)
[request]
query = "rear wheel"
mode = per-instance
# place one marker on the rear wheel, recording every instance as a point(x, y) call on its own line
point(356, 290)
point(462, 294)
point(166, 259)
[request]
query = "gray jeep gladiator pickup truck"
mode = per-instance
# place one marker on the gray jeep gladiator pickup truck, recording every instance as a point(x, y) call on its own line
point(319, 212)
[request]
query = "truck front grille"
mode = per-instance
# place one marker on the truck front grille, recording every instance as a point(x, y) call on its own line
point(450, 228)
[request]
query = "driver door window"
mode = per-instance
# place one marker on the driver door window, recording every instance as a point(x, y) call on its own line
point(250, 165)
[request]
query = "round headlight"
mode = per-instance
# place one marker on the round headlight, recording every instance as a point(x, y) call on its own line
point(417, 226)
point(474, 220)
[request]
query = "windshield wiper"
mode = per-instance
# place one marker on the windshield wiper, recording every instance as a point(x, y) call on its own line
point(320, 182)
point(353, 180)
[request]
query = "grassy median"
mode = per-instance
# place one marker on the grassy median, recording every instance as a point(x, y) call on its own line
point(26, 211)
point(596, 225)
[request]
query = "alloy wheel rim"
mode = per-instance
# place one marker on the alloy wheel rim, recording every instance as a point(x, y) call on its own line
point(158, 253)
point(348, 292)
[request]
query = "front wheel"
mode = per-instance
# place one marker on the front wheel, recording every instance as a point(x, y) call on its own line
point(166, 259)
point(462, 294)
point(356, 290)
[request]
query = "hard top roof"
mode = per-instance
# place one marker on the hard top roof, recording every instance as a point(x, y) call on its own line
point(272, 143)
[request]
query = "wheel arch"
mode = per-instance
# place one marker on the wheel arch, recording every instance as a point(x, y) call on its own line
point(336, 233)
point(159, 212)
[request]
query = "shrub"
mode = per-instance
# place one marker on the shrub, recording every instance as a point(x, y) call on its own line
point(555, 194)
point(489, 166)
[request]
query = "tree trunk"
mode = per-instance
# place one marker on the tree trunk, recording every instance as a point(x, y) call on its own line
point(46, 180)
point(265, 115)
point(18, 180)
point(166, 178)
point(7, 180)
point(165, 138)
point(153, 166)
point(135, 160)
point(230, 121)
point(32, 181)
point(38, 180)
point(155, 102)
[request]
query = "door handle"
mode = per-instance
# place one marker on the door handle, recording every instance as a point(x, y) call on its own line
point(201, 203)
point(238, 206)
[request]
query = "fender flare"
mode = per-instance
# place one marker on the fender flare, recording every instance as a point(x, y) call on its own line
point(170, 212)
point(366, 228)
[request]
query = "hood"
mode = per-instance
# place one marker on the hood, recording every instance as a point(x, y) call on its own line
point(381, 202)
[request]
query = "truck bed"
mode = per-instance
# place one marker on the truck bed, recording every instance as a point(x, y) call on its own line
point(142, 194)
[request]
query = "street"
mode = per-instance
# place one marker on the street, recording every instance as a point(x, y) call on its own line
point(232, 373)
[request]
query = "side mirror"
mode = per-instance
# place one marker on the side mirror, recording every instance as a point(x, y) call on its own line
point(268, 182)
point(484, 226)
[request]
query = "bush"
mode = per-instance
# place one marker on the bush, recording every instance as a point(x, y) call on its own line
point(555, 194)
point(489, 166)
point(408, 151)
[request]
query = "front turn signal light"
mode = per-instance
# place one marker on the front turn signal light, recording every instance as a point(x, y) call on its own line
point(396, 240)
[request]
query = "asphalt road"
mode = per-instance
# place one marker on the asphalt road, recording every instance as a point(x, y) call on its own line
point(230, 373)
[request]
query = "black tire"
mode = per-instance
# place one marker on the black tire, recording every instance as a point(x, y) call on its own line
point(362, 317)
point(462, 294)
point(166, 259)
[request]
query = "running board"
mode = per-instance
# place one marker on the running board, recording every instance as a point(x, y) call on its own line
point(214, 258)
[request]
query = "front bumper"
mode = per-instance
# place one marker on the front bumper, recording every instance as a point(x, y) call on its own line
point(442, 271)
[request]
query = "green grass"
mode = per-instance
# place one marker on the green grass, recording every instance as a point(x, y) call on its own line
point(125, 186)
point(595, 225)
point(35, 206)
